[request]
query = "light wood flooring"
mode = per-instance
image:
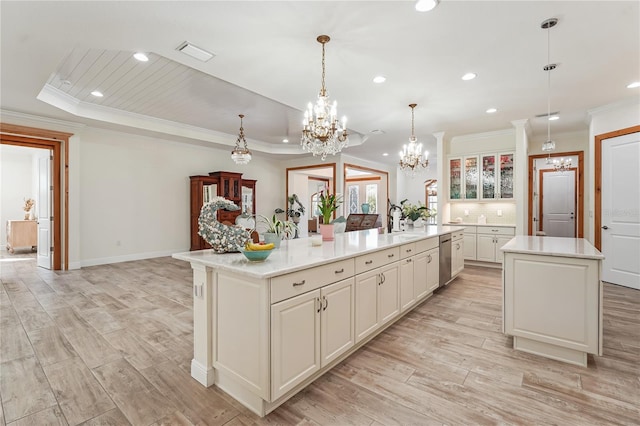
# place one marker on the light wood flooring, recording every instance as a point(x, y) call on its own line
point(112, 345)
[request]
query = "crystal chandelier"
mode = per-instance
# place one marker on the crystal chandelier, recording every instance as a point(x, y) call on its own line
point(411, 161)
point(549, 145)
point(322, 133)
point(562, 165)
point(241, 155)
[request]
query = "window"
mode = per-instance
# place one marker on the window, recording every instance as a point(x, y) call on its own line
point(354, 198)
point(371, 191)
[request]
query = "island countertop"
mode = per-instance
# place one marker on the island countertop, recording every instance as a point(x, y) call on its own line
point(299, 254)
point(552, 246)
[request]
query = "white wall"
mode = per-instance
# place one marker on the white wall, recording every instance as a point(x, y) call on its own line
point(134, 193)
point(18, 180)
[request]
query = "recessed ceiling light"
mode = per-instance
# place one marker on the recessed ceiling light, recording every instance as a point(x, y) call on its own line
point(97, 94)
point(66, 83)
point(469, 76)
point(195, 51)
point(285, 140)
point(141, 57)
point(634, 85)
point(426, 5)
point(377, 132)
point(554, 118)
point(379, 79)
point(491, 110)
point(385, 154)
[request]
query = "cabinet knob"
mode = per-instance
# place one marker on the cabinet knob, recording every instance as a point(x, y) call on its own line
point(408, 260)
point(605, 227)
point(300, 283)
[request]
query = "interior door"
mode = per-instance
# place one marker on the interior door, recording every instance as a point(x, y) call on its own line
point(558, 202)
point(43, 204)
point(620, 210)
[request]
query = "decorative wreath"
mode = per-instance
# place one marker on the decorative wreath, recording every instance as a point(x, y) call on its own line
point(222, 238)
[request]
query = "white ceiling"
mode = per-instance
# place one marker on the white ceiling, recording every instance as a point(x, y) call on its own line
point(267, 66)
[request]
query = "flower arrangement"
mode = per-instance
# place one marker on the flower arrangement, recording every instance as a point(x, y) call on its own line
point(327, 204)
point(415, 212)
point(28, 205)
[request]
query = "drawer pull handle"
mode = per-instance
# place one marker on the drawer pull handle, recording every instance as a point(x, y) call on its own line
point(390, 255)
point(340, 271)
point(300, 283)
point(429, 257)
point(319, 304)
point(408, 260)
point(326, 303)
point(408, 250)
point(495, 230)
point(368, 262)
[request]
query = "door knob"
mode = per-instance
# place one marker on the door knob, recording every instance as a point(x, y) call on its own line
point(605, 227)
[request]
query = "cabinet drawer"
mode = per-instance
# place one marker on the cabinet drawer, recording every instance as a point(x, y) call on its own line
point(470, 229)
point(289, 285)
point(457, 235)
point(407, 250)
point(496, 230)
point(428, 244)
point(376, 259)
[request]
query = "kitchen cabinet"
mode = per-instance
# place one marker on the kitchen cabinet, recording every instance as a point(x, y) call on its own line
point(490, 240)
point(496, 178)
point(310, 331)
point(219, 184)
point(457, 253)
point(486, 176)
point(463, 178)
point(407, 284)
point(377, 299)
point(469, 240)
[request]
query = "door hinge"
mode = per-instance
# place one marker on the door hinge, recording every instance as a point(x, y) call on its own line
point(51, 188)
point(50, 248)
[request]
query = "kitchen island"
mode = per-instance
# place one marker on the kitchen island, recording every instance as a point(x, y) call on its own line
point(552, 297)
point(265, 330)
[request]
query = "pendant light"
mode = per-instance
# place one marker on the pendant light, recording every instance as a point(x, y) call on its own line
point(241, 155)
point(411, 161)
point(322, 133)
point(547, 24)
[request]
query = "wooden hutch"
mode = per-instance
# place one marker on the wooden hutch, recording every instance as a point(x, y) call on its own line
point(229, 185)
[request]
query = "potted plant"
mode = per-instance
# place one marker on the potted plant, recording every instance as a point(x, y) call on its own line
point(327, 204)
point(415, 212)
point(276, 229)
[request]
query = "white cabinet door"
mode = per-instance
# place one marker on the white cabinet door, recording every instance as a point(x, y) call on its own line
point(469, 246)
point(420, 274)
point(389, 293)
point(337, 319)
point(486, 248)
point(295, 341)
point(407, 280)
point(366, 303)
point(433, 269)
point(457, 256)
point(500, 241)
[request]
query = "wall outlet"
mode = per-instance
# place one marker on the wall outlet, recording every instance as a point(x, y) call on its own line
point(466, 212)
point(499, 213)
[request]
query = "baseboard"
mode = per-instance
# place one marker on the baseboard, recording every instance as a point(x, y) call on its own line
point(129, 257)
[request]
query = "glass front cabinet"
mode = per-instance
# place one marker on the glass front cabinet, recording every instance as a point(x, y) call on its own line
point(481, 177)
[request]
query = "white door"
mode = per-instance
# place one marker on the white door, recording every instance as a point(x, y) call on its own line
point(558, 199)
point(621, 210)
point(43, 204)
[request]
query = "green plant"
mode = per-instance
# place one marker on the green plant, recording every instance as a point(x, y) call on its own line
point(415, 212)
point(327, 204)
point(284, 229)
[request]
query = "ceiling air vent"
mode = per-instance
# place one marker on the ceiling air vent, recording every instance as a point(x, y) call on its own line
point(195, 51)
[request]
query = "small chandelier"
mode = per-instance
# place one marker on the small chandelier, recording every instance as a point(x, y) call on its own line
point(322, 133)
point(241, 155)
point(547, 24)
point(562, 165)
point(411, 161)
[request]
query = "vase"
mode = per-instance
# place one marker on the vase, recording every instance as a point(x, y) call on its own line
point(365, 208)
point(327, 232)
point(272, 237)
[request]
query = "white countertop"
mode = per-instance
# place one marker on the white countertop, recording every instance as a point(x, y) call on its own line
point(508, 225)
point(552, 246)
point(298, 254)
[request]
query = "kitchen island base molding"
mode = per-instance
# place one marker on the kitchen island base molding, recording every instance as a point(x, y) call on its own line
point(547, 350)
point(205, 376)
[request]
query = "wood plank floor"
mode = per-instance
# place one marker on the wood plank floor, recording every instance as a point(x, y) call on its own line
point(112, 345)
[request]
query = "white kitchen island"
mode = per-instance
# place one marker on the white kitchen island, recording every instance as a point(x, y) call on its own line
point(265, 330)
point(552, 297)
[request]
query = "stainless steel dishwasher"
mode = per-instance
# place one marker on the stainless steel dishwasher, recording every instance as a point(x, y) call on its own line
point(445, 259)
